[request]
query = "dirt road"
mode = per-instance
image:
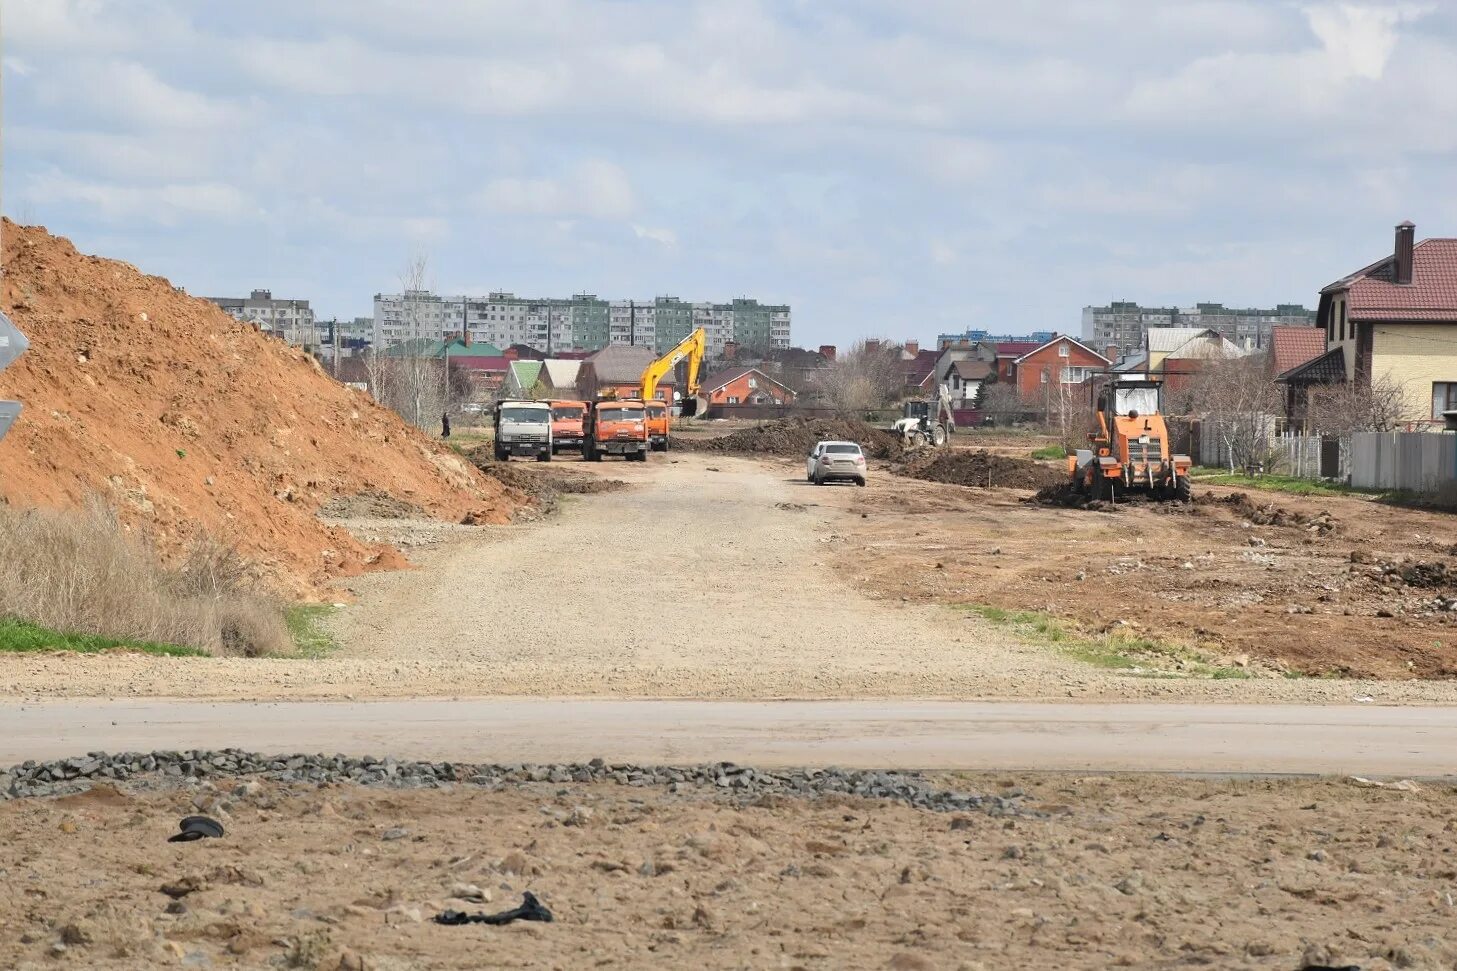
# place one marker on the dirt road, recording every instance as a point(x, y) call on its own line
point(1353, 739)
point(708, 577)
point(1137, 872)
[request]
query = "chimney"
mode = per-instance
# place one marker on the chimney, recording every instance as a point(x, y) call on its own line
point(730, 350)
point(1112, 352)
point(1405, 234)
point(913, 348)
point(827, 351)
point(872, 346)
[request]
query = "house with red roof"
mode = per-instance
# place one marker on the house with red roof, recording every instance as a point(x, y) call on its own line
point(744, 385)
point(1292, 349)
point(1396, 321)
point(1062, 360)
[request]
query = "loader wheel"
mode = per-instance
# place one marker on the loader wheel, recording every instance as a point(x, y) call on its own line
point(938, 435)
point(1184, 491)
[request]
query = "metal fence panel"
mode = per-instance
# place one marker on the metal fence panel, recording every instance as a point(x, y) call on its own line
point(1412, 461)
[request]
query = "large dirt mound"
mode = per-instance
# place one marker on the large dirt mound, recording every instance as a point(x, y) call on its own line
point(188, 421)
point(794, 437)
point(979, 468)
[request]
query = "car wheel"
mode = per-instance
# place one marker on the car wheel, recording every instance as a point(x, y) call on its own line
point(860, 482)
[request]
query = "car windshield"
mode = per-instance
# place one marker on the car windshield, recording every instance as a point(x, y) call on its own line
point(656, 410)
point(843, 449)
point(619, 414)
point(529, 416)
point(569, 413)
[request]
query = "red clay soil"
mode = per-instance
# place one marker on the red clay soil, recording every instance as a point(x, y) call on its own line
point(188, 422)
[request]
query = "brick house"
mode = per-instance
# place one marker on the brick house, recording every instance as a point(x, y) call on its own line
point(1062, 360)
point(1291, 349)
point(1397, 320)
point(616, 372)
point(745, 386)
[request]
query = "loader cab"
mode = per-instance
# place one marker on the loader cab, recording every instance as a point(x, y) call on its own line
point(1126, 398)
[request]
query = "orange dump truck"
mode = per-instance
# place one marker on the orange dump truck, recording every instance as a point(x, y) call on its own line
point(657, 425)
point(615, 428)
point(567, 418)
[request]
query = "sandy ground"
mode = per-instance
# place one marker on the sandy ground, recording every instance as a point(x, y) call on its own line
point(708, 577)
point(1139, 872)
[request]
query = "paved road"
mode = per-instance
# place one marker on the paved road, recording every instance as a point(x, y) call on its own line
point(1363, 740)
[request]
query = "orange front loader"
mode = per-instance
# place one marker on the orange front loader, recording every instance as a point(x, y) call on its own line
point(1130, 448)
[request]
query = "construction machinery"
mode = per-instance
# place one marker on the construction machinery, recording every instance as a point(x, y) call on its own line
point(692, 349)
point(522, 428)
point(615, 427)
point(1130, 448)
point(658, 425)
point(566, 425)
point(927, 421)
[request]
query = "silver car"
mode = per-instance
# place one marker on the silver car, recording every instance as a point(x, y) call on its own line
point(835, 462)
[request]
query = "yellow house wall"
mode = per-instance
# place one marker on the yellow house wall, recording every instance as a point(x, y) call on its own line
point(1414, 356)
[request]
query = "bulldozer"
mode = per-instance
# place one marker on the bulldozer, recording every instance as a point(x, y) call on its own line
point(927, 421)
point(1130, 448)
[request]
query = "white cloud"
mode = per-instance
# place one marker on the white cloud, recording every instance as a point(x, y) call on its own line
point(122, 93)
point(1360, 39)
point(595, 188)
point(168, 205)
point(658, 235)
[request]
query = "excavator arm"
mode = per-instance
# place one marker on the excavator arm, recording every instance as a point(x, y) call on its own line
point(692, 348)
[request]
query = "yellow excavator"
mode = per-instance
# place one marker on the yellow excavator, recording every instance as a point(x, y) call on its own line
point(691, 348)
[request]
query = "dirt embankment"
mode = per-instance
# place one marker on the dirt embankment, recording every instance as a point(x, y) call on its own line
point(980, 468)
point(189, 422)
point(794, 437)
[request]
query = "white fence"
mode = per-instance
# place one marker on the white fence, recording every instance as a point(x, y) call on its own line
point(1414, 461)
point(1300, 456)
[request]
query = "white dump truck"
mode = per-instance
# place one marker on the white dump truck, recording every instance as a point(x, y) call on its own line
point(523, 428)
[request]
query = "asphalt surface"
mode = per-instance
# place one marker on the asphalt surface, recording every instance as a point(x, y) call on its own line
point(1197, 738)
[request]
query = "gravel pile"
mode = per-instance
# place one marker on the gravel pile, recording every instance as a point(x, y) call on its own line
point(152, 769)
point(794, 437)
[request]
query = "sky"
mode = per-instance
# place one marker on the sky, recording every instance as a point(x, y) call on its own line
point(894, 168)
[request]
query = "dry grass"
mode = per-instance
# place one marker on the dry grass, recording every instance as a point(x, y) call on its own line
point(80, 572)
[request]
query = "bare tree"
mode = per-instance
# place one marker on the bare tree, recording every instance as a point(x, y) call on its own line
point(867, 378)
point(1002, 402)
point(1236, 399)
point(1067, 410)
point(1340, 409)
point(416, 380)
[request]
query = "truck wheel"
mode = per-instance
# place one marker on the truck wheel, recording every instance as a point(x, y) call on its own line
point(503, 456)
point(544, 456)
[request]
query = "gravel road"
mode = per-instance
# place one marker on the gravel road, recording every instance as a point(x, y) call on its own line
point(709, 577)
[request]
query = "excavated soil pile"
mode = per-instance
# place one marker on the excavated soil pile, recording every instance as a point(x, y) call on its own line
point(794, 437)
point(543, 482)
point(1268, 514)
point(980, 468)
point(189, 422)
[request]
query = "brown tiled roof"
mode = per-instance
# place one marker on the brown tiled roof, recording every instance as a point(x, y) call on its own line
point(715, 381)
point(622, 363)
point(1293, 346)
point(1016, 348)
point(1431, 295)
point(972, 370)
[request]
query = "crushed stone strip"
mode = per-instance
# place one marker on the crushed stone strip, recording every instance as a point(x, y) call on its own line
point(32, 779)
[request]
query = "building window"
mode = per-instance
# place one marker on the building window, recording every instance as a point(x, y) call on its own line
point(1062, 350)
point(733, 400)
point(1444, 397)
point(1046, 377)
point(753, 382)
point(1343, 320)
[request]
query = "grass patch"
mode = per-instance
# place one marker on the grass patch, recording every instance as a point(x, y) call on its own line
point(306, 626)
point(1118, 651)
point(82, 573)
point(1278, 483)
point(1050, 452)
point(21, 637)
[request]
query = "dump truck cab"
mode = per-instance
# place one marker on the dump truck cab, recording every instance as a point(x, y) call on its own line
point(658, 425)
point(567, 419)
point(616, 427)
point(1129, 449)
point(522, 428)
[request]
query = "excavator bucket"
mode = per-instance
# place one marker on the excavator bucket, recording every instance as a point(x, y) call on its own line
point(694, 405)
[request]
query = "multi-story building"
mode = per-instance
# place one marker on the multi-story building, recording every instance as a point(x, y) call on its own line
point(1122, 324)
point(344, 338)
point(292, 320)
point(971, 338)
point(583, 321)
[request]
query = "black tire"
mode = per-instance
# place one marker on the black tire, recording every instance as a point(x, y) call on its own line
point(1184, 491)
point(544, 456)
point(860, 482)
point(503, 456)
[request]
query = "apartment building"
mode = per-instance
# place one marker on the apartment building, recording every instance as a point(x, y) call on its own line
point(1122, 324)
point(583, 321)
point(292, 320)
